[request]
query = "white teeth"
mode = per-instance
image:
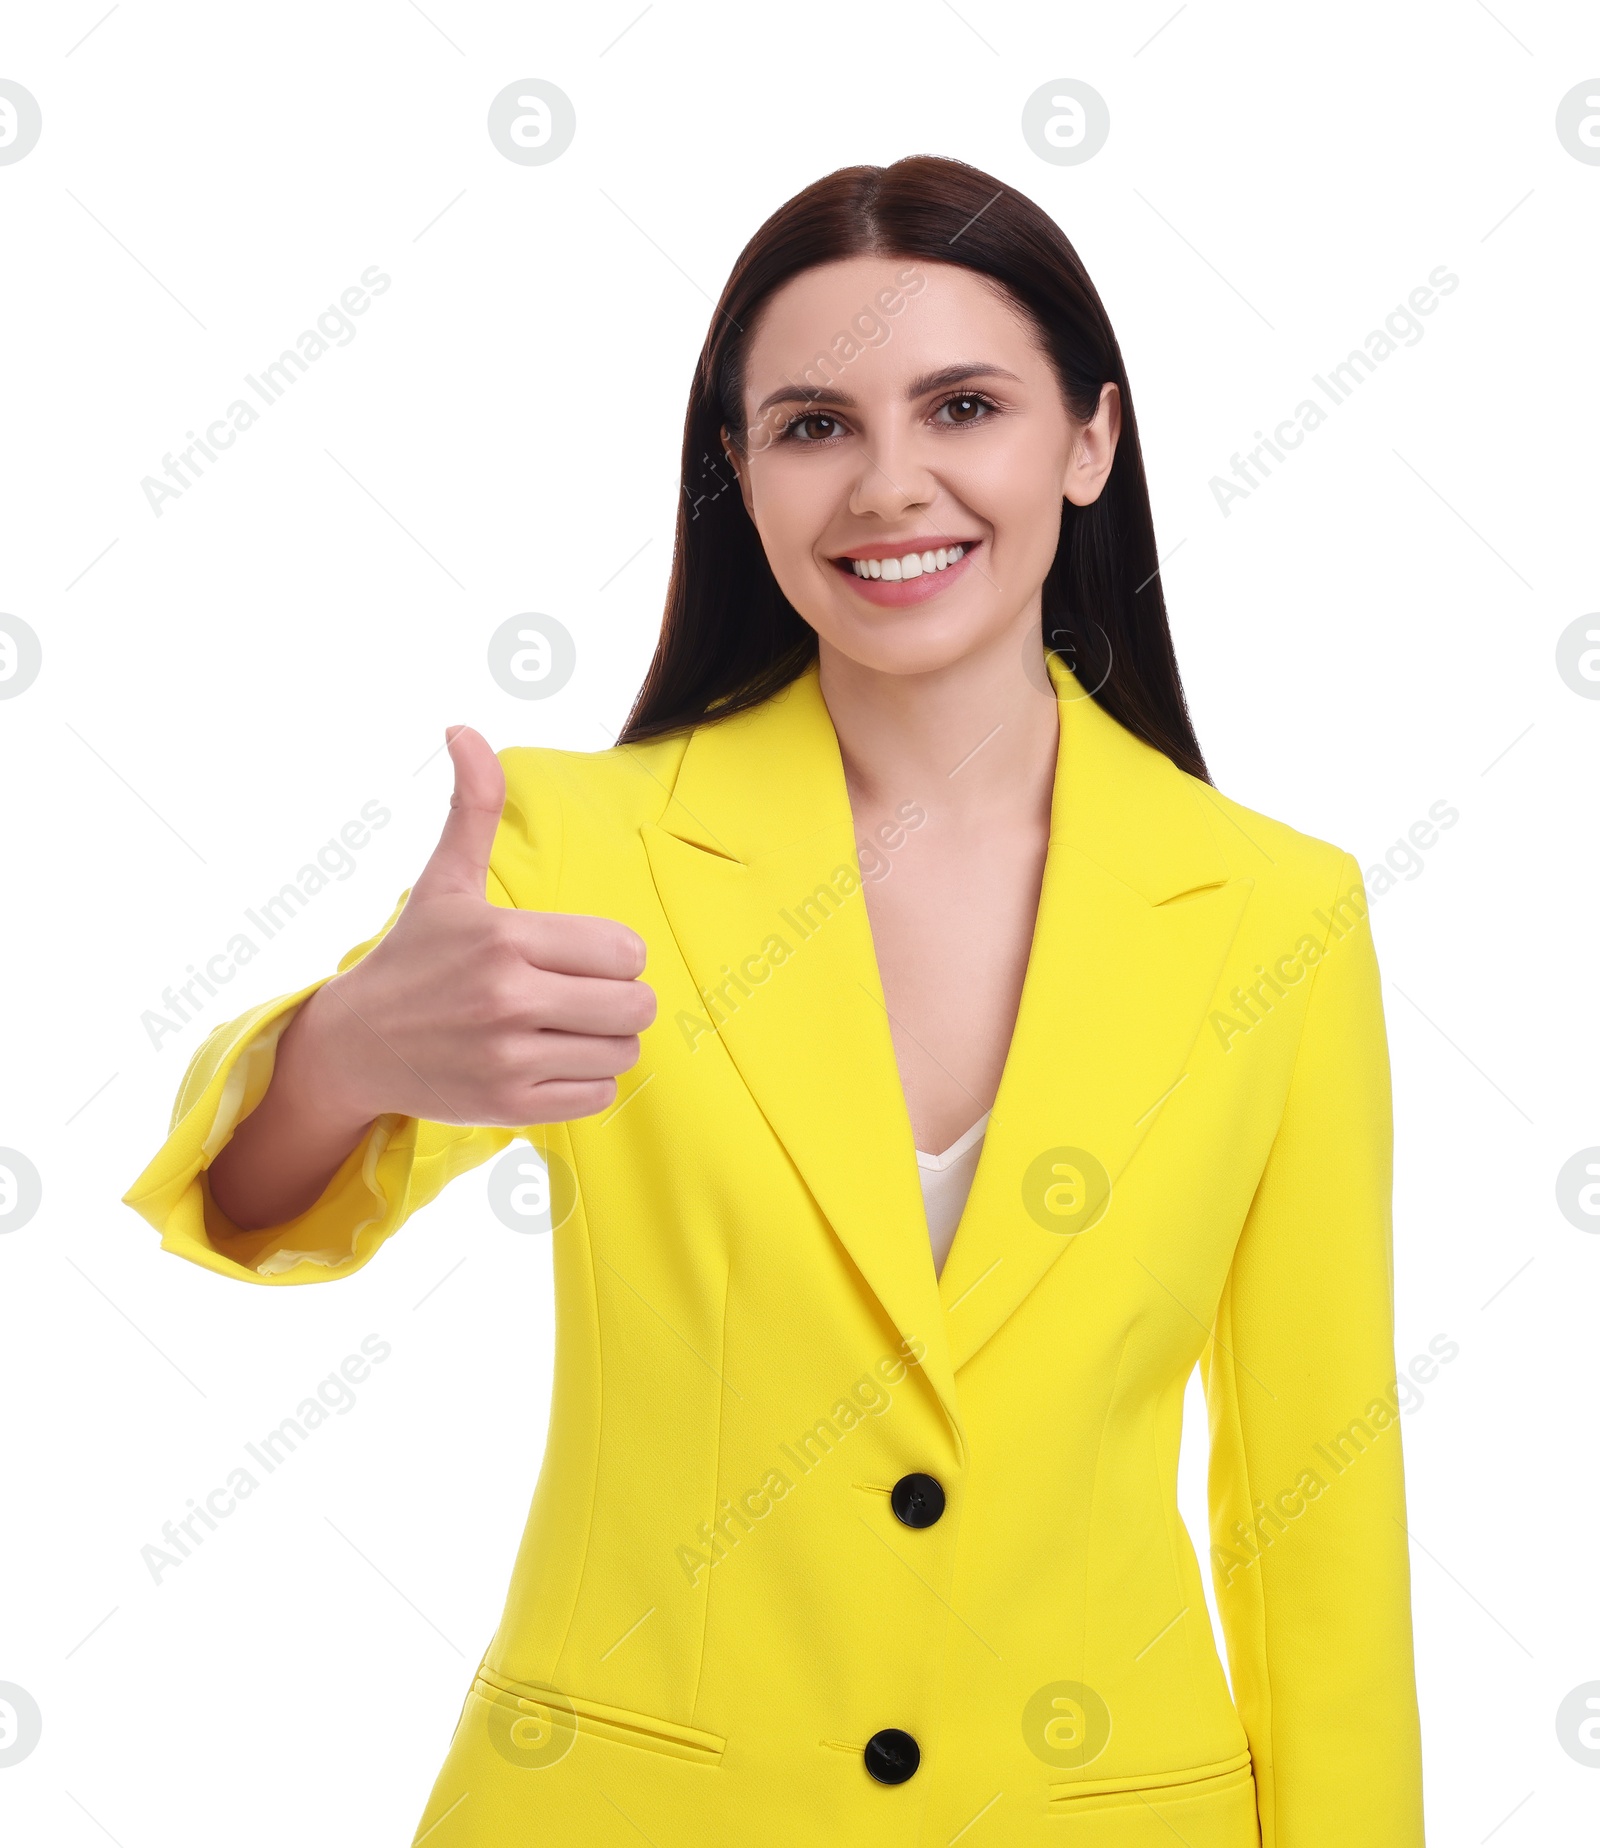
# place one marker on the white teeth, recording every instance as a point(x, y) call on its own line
point(912, 565)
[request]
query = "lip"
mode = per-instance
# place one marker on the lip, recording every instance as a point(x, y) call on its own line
point(913, 542)
point(897, 595)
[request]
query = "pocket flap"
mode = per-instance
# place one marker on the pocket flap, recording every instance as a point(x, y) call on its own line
point(619, 1724)
point(1198, 1781)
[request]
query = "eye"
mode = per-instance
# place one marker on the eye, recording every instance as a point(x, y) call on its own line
point(812, 427)
point(966, 407)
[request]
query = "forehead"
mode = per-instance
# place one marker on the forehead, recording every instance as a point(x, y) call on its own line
point(892, 318)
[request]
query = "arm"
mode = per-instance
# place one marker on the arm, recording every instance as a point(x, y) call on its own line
point(329, 1116)
point(1307, 1490)
point(286, 1151)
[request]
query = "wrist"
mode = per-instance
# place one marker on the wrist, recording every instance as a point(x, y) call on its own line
point(320, 1048)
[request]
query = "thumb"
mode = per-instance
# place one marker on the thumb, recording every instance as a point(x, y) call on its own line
point(460, 862)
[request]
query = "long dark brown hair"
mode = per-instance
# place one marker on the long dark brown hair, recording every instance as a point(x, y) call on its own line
point(730, 638)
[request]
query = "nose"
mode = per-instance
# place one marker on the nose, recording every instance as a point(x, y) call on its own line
point(893, 478)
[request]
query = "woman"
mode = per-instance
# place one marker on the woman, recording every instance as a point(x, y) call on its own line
point(857, 1518)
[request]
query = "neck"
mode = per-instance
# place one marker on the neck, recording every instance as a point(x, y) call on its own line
point(974, 739)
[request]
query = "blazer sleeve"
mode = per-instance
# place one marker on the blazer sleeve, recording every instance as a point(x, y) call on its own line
point(400, 1164)
point(1310, 1552)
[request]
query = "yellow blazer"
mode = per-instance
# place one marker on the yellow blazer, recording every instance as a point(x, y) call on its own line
point(828, 1549)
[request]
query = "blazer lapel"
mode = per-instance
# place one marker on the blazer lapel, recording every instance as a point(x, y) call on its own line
point(1137, 915)
point(755, 864)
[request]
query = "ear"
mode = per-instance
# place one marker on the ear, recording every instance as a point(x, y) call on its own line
point(740, 471)
point(1094, 449)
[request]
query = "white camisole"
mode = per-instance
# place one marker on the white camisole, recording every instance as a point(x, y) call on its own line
point(946, 1182)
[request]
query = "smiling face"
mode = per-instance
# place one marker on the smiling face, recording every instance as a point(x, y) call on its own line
point(905, 465)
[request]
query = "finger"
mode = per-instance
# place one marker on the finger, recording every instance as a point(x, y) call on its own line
point(568, 1057)
point(460, 862)
point(561, 1102)
point(586, 1004)
point(573, 945)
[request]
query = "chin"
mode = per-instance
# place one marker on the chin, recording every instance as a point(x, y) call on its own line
point(910, 642)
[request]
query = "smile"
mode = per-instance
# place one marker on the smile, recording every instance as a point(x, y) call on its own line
point(894, 579)
point(909, 565)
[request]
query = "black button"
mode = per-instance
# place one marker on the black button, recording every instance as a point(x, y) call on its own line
point(892, 1756)
point(917, 1499)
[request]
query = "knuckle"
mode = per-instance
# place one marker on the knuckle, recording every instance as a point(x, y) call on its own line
point(560, 1100)
point(503, 945)
point(645, 1004)
point(501, 1059)
point(623, 946)
point(504, 995)
point(478, 1010)
point(596, 1095)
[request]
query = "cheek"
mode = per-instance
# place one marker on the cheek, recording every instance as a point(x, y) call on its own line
point(1014, 482)
point(1015, 477)
point(794, 501)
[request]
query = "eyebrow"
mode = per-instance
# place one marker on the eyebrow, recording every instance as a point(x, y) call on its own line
point(918, 388)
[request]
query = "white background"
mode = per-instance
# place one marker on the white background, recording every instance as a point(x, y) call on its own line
point(1371, 632)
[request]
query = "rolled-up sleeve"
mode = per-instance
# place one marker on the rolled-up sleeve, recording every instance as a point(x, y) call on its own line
point(399, 1165)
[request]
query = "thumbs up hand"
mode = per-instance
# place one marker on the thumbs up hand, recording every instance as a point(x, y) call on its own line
point(469, 1012)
